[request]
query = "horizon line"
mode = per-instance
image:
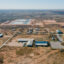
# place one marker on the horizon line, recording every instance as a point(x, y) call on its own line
point(31, 9)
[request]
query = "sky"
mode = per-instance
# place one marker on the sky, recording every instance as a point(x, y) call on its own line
point(31, 4)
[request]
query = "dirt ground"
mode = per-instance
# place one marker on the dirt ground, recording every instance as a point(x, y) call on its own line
point(40, 55)
point(3, 39)
point(35, 37)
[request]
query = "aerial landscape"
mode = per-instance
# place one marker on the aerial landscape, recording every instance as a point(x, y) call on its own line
point(31, 36)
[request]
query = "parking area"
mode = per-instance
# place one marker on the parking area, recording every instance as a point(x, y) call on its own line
point(56, 45)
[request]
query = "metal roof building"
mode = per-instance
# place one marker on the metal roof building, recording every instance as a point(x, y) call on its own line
point(59, 38)
point(59, 31)
point(41, 43)
point(27, 42)
point(30, 43)
point(1, 35)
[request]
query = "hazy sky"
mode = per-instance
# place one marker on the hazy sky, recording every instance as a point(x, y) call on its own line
point(31, 4)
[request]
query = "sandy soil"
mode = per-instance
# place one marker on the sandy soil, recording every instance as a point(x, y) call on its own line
point(3, 39)
point(40, 55)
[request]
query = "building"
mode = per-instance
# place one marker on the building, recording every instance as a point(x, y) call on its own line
point(59, 32)
point(30, 31)
point(53, 38)
point(41, 43)
point(37, 29)
point(59, 38)
point(1, 35)
point(26, 41)
point(30, 43)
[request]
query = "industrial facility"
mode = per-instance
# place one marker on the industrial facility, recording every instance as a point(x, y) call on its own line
point(26, 42)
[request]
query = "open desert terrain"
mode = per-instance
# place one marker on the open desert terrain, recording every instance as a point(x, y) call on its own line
point(40, 55)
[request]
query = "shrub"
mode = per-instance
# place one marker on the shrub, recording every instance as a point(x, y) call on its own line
point(1, 59)
point(24, 51)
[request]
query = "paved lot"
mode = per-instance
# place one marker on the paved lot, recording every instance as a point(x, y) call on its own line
point(56, 45)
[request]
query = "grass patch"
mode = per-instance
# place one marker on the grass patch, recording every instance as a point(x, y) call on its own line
point(24, 51)
point(1, 59)
point(37, 53)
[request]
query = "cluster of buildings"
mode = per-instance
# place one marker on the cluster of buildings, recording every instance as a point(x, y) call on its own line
point(31, 42)
point(54, 44)
point(58, 43)
point(36, 30)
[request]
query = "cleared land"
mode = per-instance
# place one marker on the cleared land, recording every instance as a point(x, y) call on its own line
point(33, 22)
point(2, 40)
point(26, 55)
